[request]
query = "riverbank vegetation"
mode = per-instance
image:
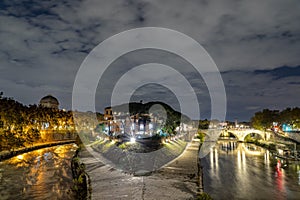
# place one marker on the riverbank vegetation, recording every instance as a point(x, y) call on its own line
point(25, 126)
point(204, 196)
point(200, 135)
point(264, 119)
point(81, 180)
point(22, 125)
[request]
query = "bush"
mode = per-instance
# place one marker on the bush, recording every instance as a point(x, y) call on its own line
point(204, 196)
point(81, 180)
point(201, 136)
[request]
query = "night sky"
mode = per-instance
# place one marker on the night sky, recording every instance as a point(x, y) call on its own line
point(255, 44)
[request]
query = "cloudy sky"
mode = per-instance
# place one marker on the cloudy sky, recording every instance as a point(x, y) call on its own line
point(255, 45)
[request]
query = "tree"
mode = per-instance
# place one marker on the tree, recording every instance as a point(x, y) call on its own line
point(203, 124)
point(264, 119)
point(13, 141)
point(32, 135)
point(22, 124)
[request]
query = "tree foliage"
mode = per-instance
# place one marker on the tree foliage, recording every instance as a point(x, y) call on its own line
point(263, 120)
point(22, 125)
point(204, 124)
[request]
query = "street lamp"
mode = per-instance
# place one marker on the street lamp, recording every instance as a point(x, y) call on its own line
point(132, 140)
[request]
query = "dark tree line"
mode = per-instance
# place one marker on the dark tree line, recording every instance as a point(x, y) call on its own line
point(264, 119)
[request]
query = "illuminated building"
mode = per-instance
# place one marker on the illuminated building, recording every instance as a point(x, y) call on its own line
point(49, 102)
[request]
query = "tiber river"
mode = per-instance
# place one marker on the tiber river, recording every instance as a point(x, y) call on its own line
point(40, 174)
point(242, 171)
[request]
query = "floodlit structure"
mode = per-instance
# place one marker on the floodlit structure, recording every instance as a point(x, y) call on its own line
point(49, 102)
point(137, 124)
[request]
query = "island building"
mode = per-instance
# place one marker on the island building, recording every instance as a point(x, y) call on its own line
point(143, 124)
point(49, 102)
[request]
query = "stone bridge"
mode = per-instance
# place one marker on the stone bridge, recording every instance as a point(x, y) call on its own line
point(240, 134)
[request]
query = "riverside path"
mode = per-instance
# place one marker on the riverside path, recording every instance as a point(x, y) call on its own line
point(178, 179)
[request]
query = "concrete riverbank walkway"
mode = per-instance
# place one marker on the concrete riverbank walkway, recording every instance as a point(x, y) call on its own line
point(177, 180)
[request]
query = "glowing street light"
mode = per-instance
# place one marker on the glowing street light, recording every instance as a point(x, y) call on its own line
point(132, 140)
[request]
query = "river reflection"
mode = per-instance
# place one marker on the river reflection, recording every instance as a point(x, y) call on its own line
point(40, 174)
point(244, 171)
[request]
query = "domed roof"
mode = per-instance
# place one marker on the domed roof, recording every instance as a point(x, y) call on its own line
point(49, 101)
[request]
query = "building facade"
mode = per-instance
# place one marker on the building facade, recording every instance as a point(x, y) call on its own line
point(49, 102)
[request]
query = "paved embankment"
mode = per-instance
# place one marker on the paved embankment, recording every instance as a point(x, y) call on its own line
point(9, 154)
point(176, 180)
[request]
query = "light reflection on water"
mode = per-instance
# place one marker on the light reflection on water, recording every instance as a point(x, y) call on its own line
point(40, 174)
point(243, 171)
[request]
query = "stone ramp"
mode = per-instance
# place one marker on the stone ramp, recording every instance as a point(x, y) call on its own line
point(176, 180)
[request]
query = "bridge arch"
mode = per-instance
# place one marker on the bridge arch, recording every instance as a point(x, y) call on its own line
point(242, 133)
point(228, 133)
point(262, 136)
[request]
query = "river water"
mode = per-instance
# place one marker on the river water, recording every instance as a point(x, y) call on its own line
point(244, 171)
point(40, 174)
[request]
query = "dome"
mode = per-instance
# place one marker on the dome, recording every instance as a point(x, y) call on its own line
point(49, 102)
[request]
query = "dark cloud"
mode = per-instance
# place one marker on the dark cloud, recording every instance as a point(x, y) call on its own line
point(281, 72)
point(251, 91)
point(43, 44)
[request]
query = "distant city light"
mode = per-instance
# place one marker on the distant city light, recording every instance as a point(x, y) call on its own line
point(132, 140)
point(141, 127)
point(20, 157)
point(287, 127)
point(132, 126)
point(150, 126)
